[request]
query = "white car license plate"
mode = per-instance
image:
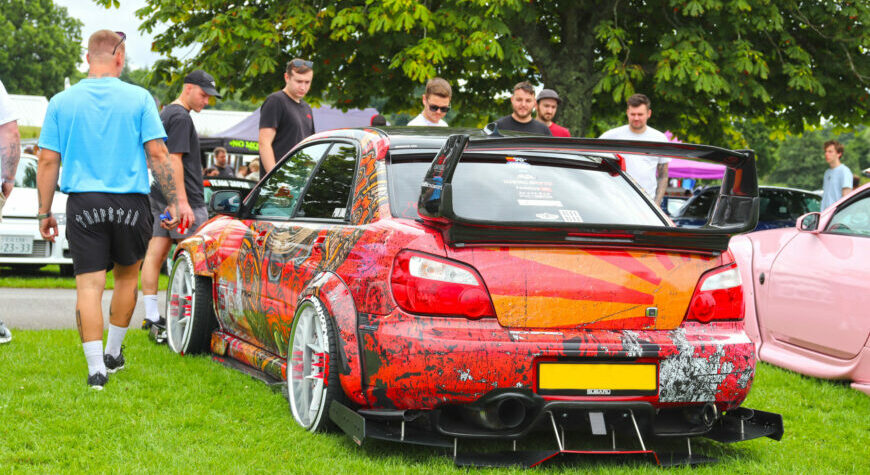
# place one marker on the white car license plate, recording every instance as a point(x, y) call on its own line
point(16, 245)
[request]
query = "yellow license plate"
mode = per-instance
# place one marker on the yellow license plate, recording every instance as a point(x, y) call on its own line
point(591, 377)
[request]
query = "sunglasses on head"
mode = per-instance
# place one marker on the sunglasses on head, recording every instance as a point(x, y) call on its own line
point(435, 108)
point(123, 38)
point(298, 63)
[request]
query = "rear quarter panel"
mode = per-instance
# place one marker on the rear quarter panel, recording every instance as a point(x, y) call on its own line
point(755, 253)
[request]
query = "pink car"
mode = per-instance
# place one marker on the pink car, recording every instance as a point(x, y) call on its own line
point(807, 291)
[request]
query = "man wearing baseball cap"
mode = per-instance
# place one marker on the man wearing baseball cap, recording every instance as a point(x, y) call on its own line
point(183, 143)
point(548, 104)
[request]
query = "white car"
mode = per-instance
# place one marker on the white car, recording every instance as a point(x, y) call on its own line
point(21, 245)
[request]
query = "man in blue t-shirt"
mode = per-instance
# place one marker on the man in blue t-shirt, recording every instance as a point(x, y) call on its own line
point(106, 133)
point(838, 178)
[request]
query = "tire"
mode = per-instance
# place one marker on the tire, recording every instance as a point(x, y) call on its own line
point(190, 317)
point(310, 389)
point(66, 270)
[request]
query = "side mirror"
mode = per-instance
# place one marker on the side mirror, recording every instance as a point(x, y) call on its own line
point(225, 202)
point(809, 222)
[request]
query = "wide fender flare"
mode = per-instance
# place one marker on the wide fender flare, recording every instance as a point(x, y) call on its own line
point(196, 247)
point(335, 296)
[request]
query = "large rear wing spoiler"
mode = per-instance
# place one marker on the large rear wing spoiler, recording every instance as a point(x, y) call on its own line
point(735, 211)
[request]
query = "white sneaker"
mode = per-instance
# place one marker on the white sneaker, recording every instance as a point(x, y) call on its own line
point(5, 334)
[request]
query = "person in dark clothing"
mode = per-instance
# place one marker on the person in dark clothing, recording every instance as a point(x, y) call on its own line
point(285, 117)
point(523, 103)
point(220, 163)
point(183, 143)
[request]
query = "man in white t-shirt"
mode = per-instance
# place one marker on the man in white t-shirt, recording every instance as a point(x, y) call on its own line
point(10, 153)
point(436, 104)
point(650, 172)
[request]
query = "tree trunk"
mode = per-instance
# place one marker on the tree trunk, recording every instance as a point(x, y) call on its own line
point(566, 61)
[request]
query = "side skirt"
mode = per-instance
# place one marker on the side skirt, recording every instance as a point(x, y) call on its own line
point(243, 356)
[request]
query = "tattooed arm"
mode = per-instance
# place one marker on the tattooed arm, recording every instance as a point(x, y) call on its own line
point(46, 182)
point(169, 174)
point(10, 153)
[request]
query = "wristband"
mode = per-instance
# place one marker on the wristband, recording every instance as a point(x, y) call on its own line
point(42, 216)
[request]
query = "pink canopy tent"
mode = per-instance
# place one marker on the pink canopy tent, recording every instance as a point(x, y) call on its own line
point(679, 168)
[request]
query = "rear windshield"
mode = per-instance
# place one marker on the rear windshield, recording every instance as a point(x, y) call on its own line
point(528, 189)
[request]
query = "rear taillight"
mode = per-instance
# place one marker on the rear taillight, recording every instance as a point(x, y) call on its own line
point(718, 296)
point(430, 285)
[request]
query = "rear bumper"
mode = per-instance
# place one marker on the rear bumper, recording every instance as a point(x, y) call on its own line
point(411, 362)
point(44, 252)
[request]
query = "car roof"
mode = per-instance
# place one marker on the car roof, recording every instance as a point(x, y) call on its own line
point(767, 188)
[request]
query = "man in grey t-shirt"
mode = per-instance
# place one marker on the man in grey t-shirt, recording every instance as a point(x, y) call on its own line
point(838, 178)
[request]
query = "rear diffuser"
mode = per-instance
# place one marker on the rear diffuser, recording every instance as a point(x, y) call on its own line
point(738, 425)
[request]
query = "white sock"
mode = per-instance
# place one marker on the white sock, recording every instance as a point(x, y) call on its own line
point(151, 312)
point(114, 340)
point(94, 355)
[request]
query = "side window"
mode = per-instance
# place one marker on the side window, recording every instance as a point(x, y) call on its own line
point(279, 193)
point(812, 203)
point(776, 207)
point(328, 193)
point(700, 206)
point(853, 219)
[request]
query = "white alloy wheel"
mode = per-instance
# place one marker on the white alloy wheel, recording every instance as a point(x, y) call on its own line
point(308, 367)
point(181, 307)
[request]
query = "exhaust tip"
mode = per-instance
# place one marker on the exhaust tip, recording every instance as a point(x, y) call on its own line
point(709, 414)
point(511, 412)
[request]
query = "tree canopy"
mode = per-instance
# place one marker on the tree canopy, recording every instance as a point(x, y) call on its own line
point(40, 45)
point(704, 63)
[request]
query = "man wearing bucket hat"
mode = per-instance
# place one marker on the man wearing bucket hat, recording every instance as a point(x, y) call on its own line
point(183, 143)
point(548, 104)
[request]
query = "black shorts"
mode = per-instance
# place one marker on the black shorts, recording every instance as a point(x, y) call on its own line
point(107, 228)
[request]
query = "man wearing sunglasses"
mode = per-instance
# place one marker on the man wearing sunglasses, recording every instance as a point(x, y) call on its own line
point(285, 117)
point(107, 133)
point(436, 104)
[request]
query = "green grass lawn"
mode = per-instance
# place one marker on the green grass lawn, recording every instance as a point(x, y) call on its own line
point(171, 414)
point(48, 277)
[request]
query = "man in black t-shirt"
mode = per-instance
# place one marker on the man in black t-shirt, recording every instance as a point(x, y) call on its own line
point(523, 103)
point(183, 144)
point(220, 163)
point(285, 117)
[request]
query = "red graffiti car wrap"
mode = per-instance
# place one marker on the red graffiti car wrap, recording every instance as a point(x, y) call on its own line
point(432, 288)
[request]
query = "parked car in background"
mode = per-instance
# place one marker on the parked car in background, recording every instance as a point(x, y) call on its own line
point(414, 286)
point(672, 204)
point(211, 184)
point(778, 207)
point(807, 291)
point(21, 244)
